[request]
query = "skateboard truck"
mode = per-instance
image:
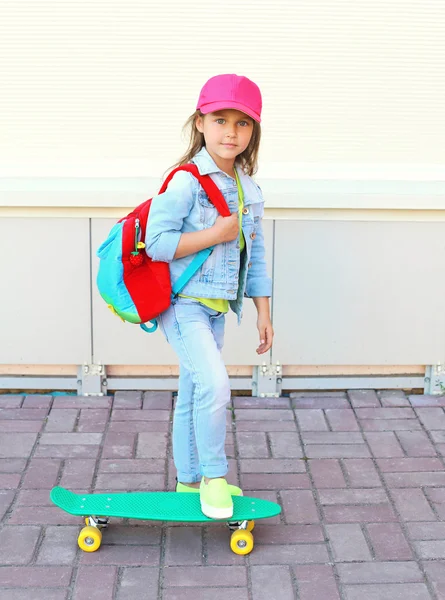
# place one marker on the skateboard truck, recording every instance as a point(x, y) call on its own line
point(98, 522)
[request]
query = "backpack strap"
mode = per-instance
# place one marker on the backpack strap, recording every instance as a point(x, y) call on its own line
point(208, 185)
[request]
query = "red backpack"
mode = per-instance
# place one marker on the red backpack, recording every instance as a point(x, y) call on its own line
point(136, 288)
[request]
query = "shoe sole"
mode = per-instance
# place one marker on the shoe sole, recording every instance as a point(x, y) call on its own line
point(216, 513)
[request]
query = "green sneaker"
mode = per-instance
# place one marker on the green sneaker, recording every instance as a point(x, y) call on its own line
point(233, 490)
point(216, 501)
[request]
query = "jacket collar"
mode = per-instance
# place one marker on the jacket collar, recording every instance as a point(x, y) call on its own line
point(205, 162)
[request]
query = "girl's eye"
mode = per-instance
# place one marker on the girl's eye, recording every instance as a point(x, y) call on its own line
point(243, 123)
point(220, 121)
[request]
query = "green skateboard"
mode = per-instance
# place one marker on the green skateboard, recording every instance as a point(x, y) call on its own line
point(159, 506)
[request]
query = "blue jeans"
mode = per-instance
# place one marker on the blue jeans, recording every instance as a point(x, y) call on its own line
point(196, 333)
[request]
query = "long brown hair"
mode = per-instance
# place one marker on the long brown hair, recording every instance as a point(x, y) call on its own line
point(247, 159)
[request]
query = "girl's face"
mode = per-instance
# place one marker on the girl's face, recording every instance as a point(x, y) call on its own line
point(227, 134)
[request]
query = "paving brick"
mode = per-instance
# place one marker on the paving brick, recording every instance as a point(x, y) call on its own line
point(437, 497)
point(332, 437)
point(431, 549)
point(271, 582)
point(196, 593)
point(326, 473)
point(120, 445)
point(9, 481)
point(285, 445)
point(406, 465)
point(316, 582)
point(287, 554)
point(82, 402)
point(438, 437)
point(353, 496)
point(41, 515)
point(139, 426)
point(17, 544)
point(70, 439)
point(62, 451)
point(252, 445)
point(426, 531)
point(388, 541)
point(130, 399)
point(142, 534)
point(320, 403)
point(24, 414)
point(416, 443)
point(380, 572)
point(138, 582)
point(21, 426)
point(140, 415)
point(391, 425)
point(61, 420)
point(131, 465)
point(348, 543)
point(288, 534)
point(436, 574)
point(422, 479)
point(33, 497)
point(336, 451)
point(32, 594)
point(19, 577)
point(151, 445)
point(254, 402)
point(412, 505)
point(272, 465)
point(266, 426)
point(87, 579)
point(78, 474)
point(93, 420)
point(385, 413)
point(299, 506)
point(263, 414)
point(422, 400)
point(363, 398)
point(342, 419)
point(59, 546)
point(311, 420)
point(393, 398)
point(37, 401)
point(41, 473)
point(130, 482)
point(280, 481)
point(431, 418)
point(384, 444)
point(361, 472)
point(379, 513)
point(184, 546)
point(205, 576)
point(158, 400)
point(16, 445)
point(12, 465)
point(121, 556)
point(218, 547)
point(10, 401)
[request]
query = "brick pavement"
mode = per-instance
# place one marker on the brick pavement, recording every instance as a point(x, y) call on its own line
point(360, 476)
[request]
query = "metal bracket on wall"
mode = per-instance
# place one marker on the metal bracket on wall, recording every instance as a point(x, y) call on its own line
point(435, 379)
point(267, 381)
point(91, 380)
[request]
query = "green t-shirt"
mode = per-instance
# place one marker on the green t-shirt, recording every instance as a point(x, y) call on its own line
point(220, 304)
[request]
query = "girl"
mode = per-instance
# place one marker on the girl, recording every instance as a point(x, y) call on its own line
point(225, 137)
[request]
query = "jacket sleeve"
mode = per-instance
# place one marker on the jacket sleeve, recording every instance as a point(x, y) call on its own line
point(166, 217)
point(258, 283)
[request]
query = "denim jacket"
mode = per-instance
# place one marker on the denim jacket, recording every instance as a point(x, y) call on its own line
point(185, 207)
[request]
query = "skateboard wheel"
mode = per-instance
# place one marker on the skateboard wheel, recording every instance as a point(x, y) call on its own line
point(250, 525)
point(241, 542)
point(87, 521)
point(89, 539)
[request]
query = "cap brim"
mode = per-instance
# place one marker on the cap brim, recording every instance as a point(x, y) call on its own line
point(214, 106)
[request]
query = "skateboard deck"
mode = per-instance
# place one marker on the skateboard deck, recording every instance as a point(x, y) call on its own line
point(157, 506)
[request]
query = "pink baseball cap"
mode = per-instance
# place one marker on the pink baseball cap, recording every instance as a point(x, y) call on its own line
point(231, 91)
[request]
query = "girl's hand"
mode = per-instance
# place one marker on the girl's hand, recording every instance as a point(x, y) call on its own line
point(226, 228)
point(266, 332)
